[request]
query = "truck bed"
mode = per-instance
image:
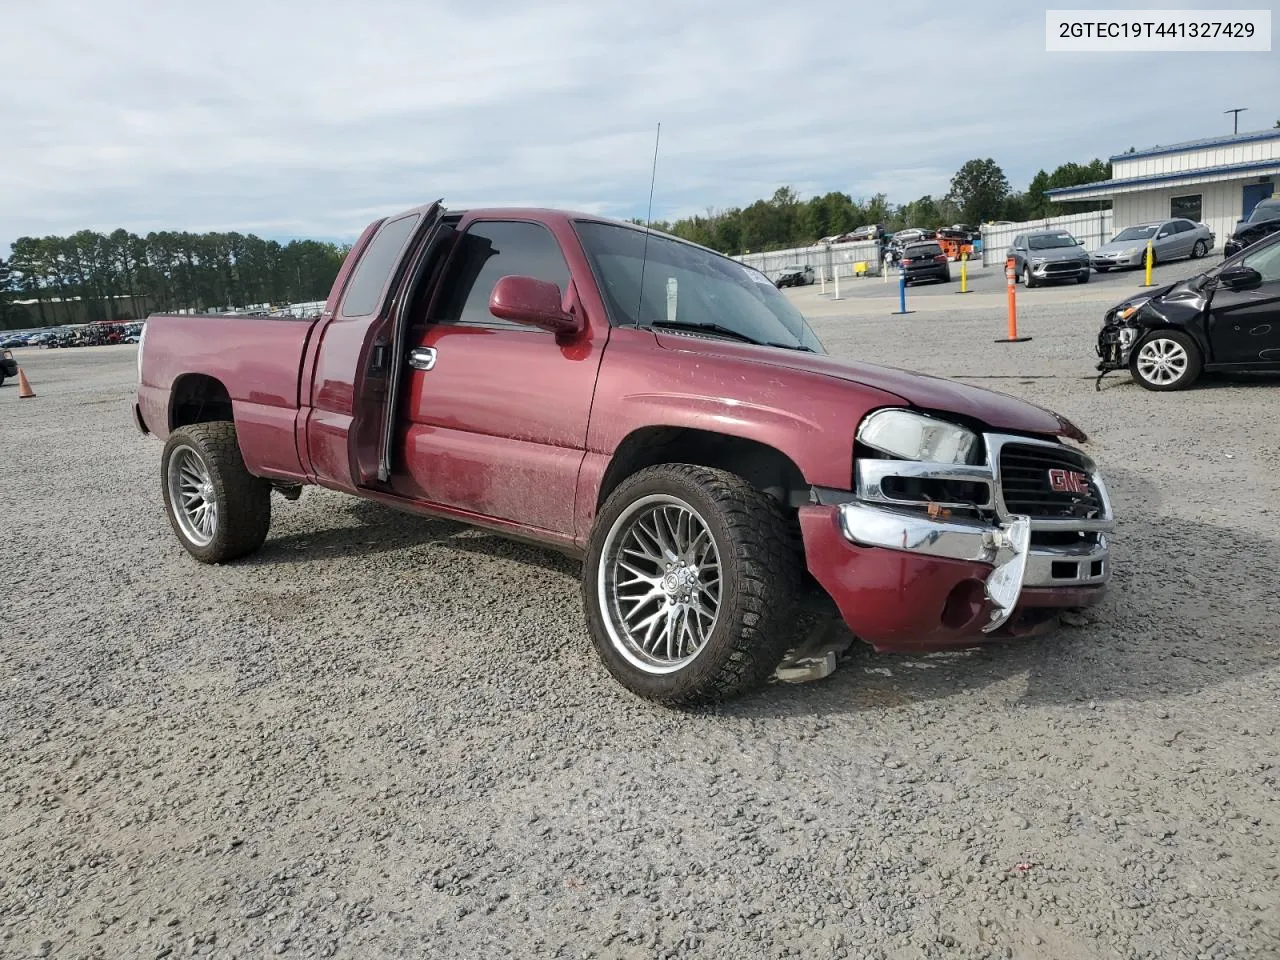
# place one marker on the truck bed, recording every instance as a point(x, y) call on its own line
point(256, 359)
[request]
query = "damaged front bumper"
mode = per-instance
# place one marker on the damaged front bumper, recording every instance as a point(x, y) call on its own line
point(911, 576)
point(1115, 344)
point(1005, 547)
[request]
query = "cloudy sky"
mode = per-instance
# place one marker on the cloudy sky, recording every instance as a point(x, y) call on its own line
point(312, 117)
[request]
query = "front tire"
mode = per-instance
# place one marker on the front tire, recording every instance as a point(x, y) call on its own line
point(217, 508)
point(1028, 281)
point(1083, 278)
point(1165, 360)
point(690, 584)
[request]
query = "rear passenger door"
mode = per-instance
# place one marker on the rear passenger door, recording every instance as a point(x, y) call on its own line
point(495, 413)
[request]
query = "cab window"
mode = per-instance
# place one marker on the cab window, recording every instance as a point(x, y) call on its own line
point(490, 250)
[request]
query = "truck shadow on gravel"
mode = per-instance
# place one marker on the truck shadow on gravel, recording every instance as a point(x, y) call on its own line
point(1192, 606)
point(374, 529)
point(1189, 609)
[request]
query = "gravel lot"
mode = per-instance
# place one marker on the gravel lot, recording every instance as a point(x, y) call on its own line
point(385, 736)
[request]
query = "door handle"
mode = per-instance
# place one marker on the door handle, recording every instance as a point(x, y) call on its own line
point(422, 358)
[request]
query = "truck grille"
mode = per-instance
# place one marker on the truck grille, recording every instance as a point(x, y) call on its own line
point(1025, 472)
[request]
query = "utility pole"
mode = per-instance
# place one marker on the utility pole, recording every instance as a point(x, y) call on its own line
point(1236, 118)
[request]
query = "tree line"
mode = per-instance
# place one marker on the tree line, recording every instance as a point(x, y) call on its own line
point(92, 276)
point(979, 193)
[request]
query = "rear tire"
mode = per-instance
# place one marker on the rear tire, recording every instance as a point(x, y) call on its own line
point(1199, 250)
point(710, 630)
point(1165, 360)
point(217, 508)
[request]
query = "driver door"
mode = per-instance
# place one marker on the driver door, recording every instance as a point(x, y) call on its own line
point(494, 420)
point(1244, 325)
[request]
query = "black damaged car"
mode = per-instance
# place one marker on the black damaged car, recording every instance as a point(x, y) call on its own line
point(1223, 320)
point(1262, 222)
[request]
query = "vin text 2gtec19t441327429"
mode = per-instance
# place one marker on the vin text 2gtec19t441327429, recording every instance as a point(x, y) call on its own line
point(655, 408)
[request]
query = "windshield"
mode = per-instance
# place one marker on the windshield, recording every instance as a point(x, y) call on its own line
point(689, 286)
point(1265, 210)
point(1135, 233)
point(1049, 241)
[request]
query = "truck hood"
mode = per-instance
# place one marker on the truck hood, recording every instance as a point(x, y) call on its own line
point(997, 410)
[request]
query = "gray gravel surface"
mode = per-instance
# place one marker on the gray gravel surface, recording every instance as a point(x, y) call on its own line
point(388, 736)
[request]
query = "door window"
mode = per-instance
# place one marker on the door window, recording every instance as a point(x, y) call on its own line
point(1188, 206)
point(1266, 262)
point(372, 273)
point(490, 250)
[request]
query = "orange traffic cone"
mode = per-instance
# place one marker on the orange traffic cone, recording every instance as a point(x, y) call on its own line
point(24, 385)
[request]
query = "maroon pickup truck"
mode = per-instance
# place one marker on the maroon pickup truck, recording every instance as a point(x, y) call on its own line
point(652, 407)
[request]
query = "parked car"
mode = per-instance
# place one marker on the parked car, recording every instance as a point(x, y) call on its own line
point(795, 276)
point(10, 342)
point(872, 231)
point(912, 235)
point(1262, 221)
point(8, 366)
point(652, 407)
point(925, 261)
point(1045, 256)
point(1225, 319)
point(1170, 240)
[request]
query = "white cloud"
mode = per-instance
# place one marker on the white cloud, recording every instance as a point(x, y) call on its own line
point(287, 117)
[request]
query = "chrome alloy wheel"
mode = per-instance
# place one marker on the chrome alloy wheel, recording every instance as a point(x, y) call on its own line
point(659, 584)
point(1162, 361)
point(191, 492)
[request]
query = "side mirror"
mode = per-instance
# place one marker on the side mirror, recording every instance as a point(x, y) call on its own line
point(536, 303)
point(1240, 277)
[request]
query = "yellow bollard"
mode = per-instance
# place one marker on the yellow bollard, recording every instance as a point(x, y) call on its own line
point(964, 273)
point(1148, 282)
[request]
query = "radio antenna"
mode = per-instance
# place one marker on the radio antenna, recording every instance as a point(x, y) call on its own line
point(644, 256)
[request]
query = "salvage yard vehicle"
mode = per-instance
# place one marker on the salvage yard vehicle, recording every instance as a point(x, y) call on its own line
point(1170, 240)
point(1263, 220)
point(925, 261)
point(647, 405)
point(1049, 255)
point(1226, 319)
point(795, 276)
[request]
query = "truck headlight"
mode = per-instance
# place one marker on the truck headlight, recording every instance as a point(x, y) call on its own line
point(914, 436)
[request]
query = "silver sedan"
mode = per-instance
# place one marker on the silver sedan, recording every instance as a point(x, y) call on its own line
point(1170, 239)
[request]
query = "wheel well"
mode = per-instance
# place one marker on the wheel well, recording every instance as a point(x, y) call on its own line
point(764, 467)
point(198, 398)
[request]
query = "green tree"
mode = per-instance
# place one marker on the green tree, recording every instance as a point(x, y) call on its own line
point(979, 189)
point(10, 314)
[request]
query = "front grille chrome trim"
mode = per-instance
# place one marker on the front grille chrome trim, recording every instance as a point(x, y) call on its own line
point(1103, 523)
